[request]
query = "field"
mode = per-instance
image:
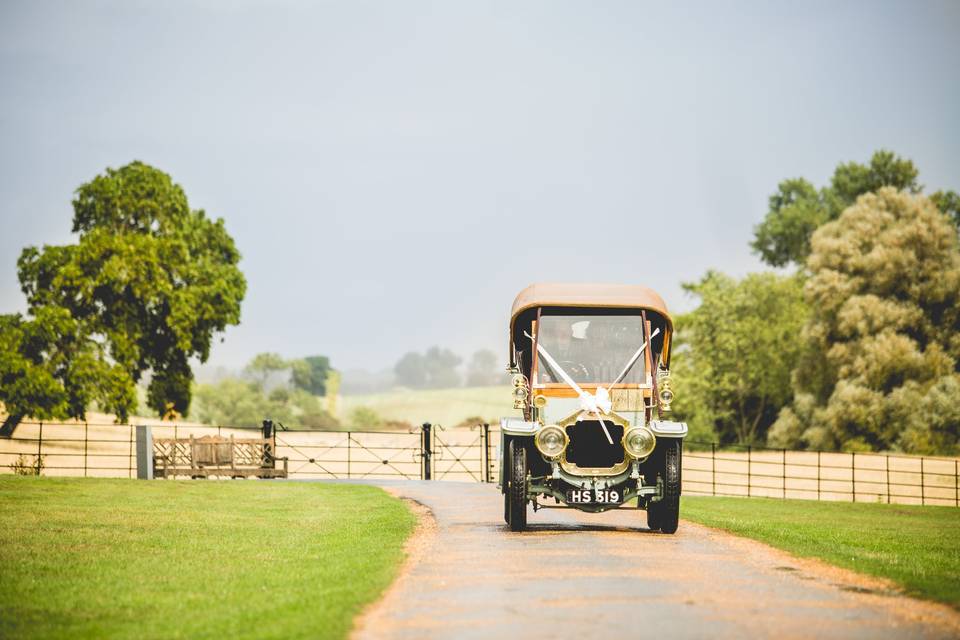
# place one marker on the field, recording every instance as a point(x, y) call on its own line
point(916, 547)
point(84, 558)
point(447, 407)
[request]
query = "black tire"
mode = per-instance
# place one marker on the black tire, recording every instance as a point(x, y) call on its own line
point(668, 509)
point(517, 488)
point(653, 516)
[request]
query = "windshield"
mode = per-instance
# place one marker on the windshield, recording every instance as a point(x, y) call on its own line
point(591, 348)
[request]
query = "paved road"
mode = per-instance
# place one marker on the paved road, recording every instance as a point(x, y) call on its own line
point(576, 575)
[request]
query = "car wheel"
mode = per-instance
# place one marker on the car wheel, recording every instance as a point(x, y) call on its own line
point(653, 516)
point(668, 510)
point(517, 491)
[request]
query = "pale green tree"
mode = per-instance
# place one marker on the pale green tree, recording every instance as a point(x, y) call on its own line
point(881, 349)
point(735, 353)
point(263, 366)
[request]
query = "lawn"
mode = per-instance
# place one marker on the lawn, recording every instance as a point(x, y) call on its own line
point(447, 407)
point(917, 547)
point(92, 558)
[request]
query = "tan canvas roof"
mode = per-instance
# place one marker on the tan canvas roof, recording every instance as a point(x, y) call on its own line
point(588, 295)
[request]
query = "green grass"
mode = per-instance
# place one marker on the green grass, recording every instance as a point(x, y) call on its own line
point(447, 407)
point(916, 547)
point(87, 558)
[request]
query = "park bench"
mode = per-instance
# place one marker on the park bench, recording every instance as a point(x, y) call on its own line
point(216, 456)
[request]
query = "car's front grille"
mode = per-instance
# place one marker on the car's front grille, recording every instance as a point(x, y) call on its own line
point(589, 446)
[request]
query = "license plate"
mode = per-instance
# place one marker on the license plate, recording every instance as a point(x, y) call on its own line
point(589, 496)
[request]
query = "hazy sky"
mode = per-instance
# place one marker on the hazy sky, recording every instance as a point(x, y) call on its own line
point(394, 172)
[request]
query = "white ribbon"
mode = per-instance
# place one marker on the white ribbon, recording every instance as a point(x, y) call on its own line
point(593, 404)
point(598, 403)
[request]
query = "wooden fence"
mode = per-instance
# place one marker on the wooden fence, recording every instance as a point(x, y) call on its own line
point(470, 454)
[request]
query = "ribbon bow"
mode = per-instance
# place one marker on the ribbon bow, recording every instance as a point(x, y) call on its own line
point(597, 404)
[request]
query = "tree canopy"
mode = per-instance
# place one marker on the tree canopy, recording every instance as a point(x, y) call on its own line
point(735, 353)
point(264, 365)
point(145, 288)
point(311, 374)
point(798, 209)
point(485, 370)
point(881, 361)
point(434, 369)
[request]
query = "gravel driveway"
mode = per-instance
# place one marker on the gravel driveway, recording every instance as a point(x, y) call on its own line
point(576, 575)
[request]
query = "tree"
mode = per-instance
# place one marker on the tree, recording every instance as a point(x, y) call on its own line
point(149, 281)
point(410, 371)
point(483, 370)
point(310, 374)
point(736, 351)
point(882, 346)
point(441, 368)
point(798, 209)
point(365, 418)
point(50, 368)
point(263, 366)
point(242, 403)
point(435, 369)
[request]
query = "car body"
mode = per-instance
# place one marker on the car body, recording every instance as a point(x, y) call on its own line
point(591, 377)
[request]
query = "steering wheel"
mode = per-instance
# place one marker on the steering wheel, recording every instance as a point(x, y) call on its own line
point(576, 370)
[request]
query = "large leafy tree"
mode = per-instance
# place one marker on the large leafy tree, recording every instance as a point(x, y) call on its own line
point(881, 365)
point(798, 209)
point(145, 288)
point(735, 353)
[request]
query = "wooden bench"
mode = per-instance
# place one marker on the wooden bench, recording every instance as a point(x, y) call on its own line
point(216, 456)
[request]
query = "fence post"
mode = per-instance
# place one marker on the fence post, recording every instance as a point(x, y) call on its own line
point(956, 483)
point(853, 474)
point(887, 475)
point(349, 447)
point(818, 475)
point(425, 449)
point(486, 451)
point(85, 441)
point(749, 460)
point(783, 480)
point(268, 434)
point(144, 452)
point(130, 433)
point(922, 496)
point(713, 468)
point(40, 449)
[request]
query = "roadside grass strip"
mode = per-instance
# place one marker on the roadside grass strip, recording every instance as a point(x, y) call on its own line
point(916, 547)
point(95, 558)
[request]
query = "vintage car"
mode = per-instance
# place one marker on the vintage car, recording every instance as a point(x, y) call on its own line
point(591, 374)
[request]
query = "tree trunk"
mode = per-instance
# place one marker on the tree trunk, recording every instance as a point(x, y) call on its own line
point(6, 431)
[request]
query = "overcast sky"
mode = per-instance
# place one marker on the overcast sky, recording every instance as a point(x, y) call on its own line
point(395, 172)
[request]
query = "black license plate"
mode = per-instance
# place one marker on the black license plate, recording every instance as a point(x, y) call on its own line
point(589, 496)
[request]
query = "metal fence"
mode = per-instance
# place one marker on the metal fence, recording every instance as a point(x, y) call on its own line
point(470, 454)
point(820, 475)
point(108, 450)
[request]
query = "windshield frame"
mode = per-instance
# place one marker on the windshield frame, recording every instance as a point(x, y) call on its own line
point(599, 311)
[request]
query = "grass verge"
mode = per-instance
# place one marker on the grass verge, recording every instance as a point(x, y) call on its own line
point(86, 558)
point(916, 547)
